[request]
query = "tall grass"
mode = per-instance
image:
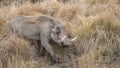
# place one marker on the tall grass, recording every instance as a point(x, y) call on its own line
point(96, 22)
point(15, 53)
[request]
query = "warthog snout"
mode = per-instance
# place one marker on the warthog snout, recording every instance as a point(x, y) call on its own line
point(65, 41)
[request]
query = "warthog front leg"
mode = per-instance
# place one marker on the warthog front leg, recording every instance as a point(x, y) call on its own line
point(46, 45)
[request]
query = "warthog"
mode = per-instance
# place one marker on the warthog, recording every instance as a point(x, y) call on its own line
point(43, 28)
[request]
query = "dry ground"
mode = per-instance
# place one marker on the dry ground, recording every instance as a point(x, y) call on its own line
point(96, 22)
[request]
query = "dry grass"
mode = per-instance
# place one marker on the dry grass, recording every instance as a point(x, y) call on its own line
point(15, 53)
point(96, 22)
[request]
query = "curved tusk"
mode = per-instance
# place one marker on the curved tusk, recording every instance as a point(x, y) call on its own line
point(64, 37)
point(74, 38)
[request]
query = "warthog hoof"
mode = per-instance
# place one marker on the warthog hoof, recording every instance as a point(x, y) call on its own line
point(57, 59)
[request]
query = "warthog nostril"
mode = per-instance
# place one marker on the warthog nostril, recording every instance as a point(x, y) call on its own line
point(62, 43)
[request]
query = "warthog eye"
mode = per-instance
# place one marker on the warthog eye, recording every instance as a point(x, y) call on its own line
point(58, 31)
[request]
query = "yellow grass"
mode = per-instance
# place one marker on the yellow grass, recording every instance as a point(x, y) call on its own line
point(96, 22)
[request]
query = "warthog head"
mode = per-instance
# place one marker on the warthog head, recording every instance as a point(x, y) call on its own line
point(59, 35)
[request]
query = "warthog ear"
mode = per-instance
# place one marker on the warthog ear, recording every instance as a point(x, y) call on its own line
point(56, 30)
point(53, 30)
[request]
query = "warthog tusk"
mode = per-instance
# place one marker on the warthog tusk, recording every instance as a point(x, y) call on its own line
point(74, 38)
point(64, 37)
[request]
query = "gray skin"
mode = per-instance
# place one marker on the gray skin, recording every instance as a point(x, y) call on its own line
point(43, 28)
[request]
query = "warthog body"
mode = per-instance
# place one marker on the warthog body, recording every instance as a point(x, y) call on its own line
point(41, 28)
